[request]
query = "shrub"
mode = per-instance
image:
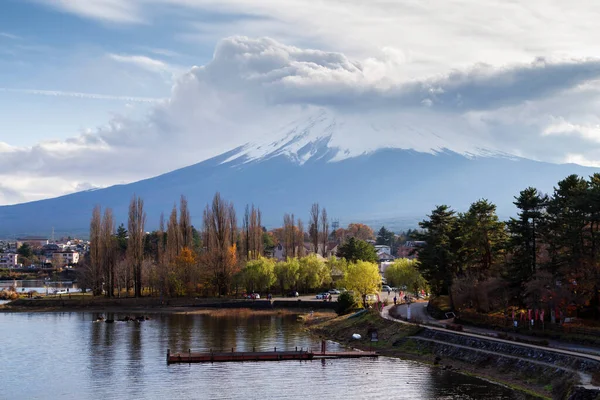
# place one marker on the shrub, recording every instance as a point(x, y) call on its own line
point(8, 295)
point(345, 303)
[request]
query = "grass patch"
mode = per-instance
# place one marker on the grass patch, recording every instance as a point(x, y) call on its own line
point(412, 346)
point(442, 303)
point(342, 328)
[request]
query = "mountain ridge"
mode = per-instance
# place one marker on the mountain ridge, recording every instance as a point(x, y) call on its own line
point(384, 185)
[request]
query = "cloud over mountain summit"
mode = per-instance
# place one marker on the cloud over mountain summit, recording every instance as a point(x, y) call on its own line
point(260, 91)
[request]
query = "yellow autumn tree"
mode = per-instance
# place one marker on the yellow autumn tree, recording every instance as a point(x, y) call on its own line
point(184, 271)
point(363, 278)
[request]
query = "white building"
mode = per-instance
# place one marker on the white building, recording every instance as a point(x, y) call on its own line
point(65, 258)
point(383, 249)
point(9, 260)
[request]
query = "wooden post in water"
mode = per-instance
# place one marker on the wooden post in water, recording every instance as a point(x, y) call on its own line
point(168, 355)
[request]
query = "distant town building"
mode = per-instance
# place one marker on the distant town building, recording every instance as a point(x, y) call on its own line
point(65, 258)
point(33, 241)
point(9, 260)
point(379, 248)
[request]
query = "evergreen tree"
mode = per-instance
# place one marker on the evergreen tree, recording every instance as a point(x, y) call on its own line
point(483, 238)
point(122, 239)
point(564, 230)
point(437, 256)
point(524, 242)
point(357, 250)
point(385, 237)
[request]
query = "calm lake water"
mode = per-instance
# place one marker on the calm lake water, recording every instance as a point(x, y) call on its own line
point(68, 356)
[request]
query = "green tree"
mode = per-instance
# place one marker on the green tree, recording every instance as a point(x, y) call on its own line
point(483, 238)
point(313, 273)
point(363, 278)
point(525, 234)
point(566, 223)
point(287, 274)
point(438, 255)
point(357, 250)
point(337, 268)
point(404, 272)
point(259, 274)
point(268, 242)
point(386, 237)
point(25, 250)
point(345, 303)
point(122, 238)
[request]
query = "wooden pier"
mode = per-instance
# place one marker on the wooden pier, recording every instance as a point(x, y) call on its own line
point(189, 357)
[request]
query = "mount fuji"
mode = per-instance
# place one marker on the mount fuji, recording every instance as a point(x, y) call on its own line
point(360, 170)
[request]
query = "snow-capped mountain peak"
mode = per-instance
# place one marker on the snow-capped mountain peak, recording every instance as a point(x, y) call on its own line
point(324, 134)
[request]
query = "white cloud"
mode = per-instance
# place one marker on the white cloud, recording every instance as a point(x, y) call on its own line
point(9, 36)
point(92, 96)
point(562, 127)
point(144, 62)
point(436, 35)
point(119, 11)
point(581, 160)
point(253, 90)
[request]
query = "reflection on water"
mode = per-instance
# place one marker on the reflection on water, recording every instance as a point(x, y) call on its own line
point(67, 355)
point(40, 286)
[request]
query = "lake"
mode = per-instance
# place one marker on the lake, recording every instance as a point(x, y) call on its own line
point(69, 356)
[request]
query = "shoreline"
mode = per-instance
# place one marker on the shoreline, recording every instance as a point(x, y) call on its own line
point(395, 341)
point(153, 306)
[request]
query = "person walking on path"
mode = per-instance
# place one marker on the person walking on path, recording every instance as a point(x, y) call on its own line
point(395, 299)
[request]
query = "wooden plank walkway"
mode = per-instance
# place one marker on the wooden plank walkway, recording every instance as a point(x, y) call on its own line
point(190, 357)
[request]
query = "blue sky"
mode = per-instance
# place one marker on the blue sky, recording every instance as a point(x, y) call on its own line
point(99, 92)
point(43, 48)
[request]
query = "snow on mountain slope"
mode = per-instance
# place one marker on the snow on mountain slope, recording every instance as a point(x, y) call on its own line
point(321, 133)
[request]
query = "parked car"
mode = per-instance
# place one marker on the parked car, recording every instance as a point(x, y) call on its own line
point(293, 294)
point(386, 288)
point(324, 295)
point(371, 298)
point(334, 291)
point(253, 296)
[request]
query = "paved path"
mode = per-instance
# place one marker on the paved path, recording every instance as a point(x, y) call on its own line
point(570, 352)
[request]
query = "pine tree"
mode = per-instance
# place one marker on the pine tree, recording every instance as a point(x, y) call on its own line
point(483, 239)
point(525, 233)
point(437, 256)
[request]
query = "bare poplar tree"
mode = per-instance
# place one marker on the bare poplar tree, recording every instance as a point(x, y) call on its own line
point(220, 232)
point(161, 261)
point(300, 235)
point(253, 232)
point(173, 236)
point(135, 248)
point(233, 228)
point(246, 234)
point(185, 224)
point(313, 229)
point(109, 252)
point(96, 251)
point(324, 231)
point(258, 233)
point(288, 235)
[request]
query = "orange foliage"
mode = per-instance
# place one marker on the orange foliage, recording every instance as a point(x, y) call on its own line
point(360, 231)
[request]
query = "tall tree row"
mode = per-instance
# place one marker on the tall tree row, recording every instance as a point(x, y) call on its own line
point(545, 257)
point(220, 254)
point(251, 240)
point(135, 247)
